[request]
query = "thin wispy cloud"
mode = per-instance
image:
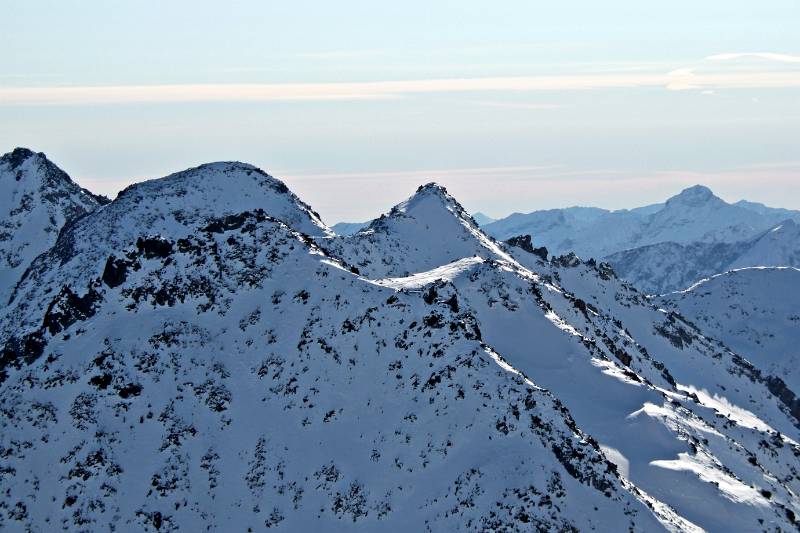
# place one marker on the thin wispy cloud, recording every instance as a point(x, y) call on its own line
point(770, 56)
point(681, 79)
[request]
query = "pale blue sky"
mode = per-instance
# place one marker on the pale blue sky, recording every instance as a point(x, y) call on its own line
point(512, 105)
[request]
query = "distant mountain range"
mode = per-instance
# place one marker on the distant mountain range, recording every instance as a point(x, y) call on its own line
point(659, 247)
point(204, 353)
point(695, 215)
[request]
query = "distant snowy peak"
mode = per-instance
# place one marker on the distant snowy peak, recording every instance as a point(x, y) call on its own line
point(482, 219)
point(764, 210)
point(694, 215)
point(694, 196)
point(38, 200)
point(778, 246)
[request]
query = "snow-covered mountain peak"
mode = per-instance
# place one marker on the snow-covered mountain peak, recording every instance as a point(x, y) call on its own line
point(16, 157)
point(209, 191)
point(694, 196)
point(168, 208)
point(201, 352)
point(220, 188)
point(36, 171)
point(429, 229)
point(38, 200)
point(429, 198)
point(432, 188)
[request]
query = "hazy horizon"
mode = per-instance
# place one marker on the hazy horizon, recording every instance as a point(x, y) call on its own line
point(112, 194)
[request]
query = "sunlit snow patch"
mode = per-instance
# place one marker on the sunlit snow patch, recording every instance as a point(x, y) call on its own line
point(616, 457)
point(710, 472)
point(610, 369)
point(446, 272)
point(721, 404)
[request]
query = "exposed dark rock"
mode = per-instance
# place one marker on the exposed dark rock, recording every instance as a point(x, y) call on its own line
point(131, 389)
point(525, 243)
point(115, 272)
point(154, 247)
point(569, 260)
point(102, 381)
point(430, 295)
point(777, 387)
point(17, 157)
point(68, 308)
point(231, 222)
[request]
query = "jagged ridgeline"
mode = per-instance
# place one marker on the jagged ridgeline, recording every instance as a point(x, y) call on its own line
point(203, 353)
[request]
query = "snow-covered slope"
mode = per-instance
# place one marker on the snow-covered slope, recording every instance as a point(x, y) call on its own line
point(203, 353)
point(779, 246)
point(224, 373)
point(664, 267)
point(754, 311)
point(38, 200)
point(644, 382)
point(695, 215)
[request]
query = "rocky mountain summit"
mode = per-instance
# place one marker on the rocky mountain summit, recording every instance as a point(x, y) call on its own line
point(204, 353)
point(38, 200)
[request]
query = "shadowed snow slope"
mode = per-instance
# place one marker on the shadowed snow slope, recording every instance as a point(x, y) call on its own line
point(665, 267)
point(755, 311)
